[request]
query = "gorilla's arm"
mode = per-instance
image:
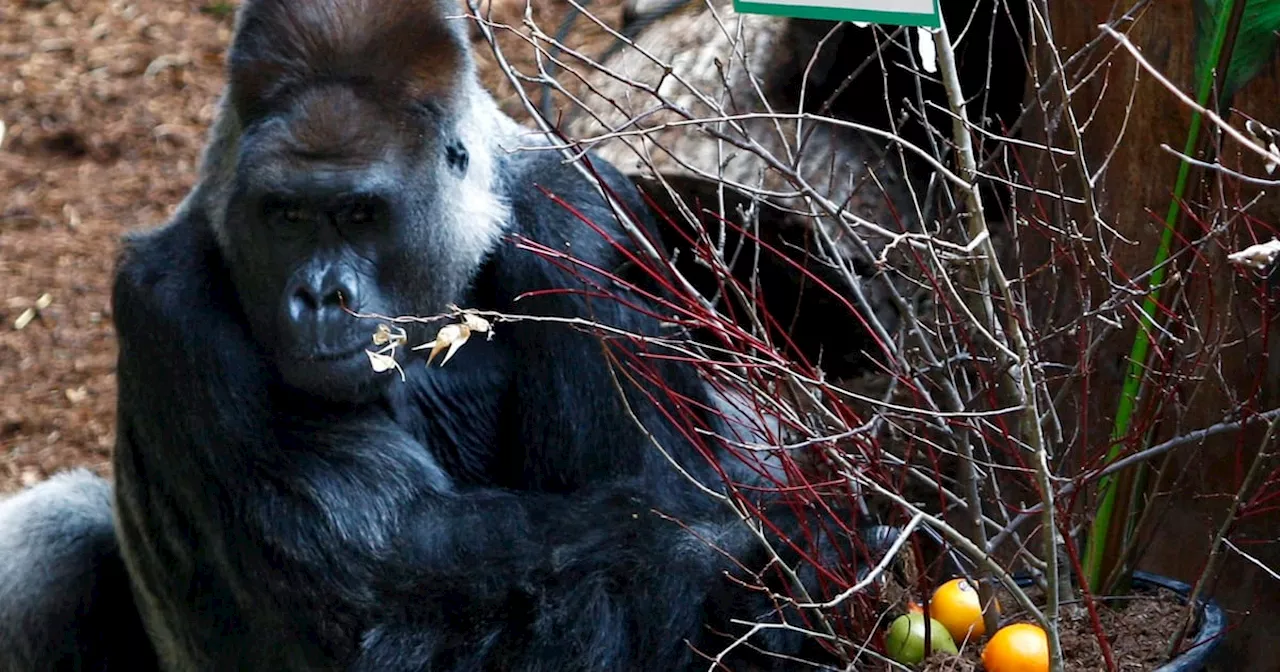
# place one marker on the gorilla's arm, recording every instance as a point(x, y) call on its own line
point(579, 572)
point(338, 528)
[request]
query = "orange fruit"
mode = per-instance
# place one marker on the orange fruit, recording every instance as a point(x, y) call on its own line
point(1021, 647)
point(955, 604)
point(914, 607)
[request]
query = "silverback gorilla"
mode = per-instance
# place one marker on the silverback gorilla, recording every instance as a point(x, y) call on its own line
point(277, 504)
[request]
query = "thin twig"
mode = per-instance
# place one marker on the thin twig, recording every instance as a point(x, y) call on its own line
point(1019, 373)
point(1256, 471)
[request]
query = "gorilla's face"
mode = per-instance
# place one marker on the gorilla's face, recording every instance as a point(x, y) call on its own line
point(345, 204)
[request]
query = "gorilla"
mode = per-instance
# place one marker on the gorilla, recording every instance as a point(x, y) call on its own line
point(534, 504)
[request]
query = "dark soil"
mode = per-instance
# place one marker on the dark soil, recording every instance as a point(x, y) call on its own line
point(105, 106)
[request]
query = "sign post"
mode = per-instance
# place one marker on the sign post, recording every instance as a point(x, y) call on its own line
point(922, 13)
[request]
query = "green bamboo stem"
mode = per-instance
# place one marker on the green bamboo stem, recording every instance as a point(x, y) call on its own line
point(1100, 529)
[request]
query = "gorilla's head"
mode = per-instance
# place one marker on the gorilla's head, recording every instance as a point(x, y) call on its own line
point(356, 154)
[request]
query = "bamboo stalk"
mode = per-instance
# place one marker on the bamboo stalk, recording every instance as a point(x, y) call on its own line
point(1095, 555)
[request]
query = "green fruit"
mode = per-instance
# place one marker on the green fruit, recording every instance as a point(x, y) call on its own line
point(905, 640)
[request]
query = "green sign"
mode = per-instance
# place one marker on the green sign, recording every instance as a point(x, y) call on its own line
point(922, 13)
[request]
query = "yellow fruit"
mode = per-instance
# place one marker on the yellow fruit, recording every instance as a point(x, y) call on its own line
point(955, 604)
point(1021, 647)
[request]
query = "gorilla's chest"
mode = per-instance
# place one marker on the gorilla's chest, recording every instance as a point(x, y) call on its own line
point(456, 410)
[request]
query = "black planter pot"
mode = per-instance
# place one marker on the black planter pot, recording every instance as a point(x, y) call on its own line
point(1213, 623)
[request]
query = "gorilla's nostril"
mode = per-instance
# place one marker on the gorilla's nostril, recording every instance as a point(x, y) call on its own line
point(338, 288)
point(337, 298)
point(302, 303)
point(305, 299)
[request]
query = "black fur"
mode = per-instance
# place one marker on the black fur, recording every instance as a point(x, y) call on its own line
point(494, 513)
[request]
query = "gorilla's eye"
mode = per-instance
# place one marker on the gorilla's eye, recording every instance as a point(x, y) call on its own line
point(282, 209)
point(360, 210)
point(360, 214)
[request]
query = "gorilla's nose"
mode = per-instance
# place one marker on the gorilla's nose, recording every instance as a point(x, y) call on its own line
point(318, 295)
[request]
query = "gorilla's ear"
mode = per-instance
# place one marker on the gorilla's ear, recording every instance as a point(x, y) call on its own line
point(411, 50)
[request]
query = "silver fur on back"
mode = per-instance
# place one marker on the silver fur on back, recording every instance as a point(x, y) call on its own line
point(53, 538)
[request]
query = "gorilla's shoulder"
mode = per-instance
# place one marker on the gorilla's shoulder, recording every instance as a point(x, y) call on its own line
point(559, 205)
point(539, 176)
point(548, 166)
point(168, 268)
point(180, 244)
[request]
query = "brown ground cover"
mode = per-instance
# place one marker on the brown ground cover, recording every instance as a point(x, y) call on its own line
point(105, 104)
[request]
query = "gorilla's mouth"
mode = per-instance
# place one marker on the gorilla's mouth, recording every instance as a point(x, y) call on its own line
point(333, 373)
